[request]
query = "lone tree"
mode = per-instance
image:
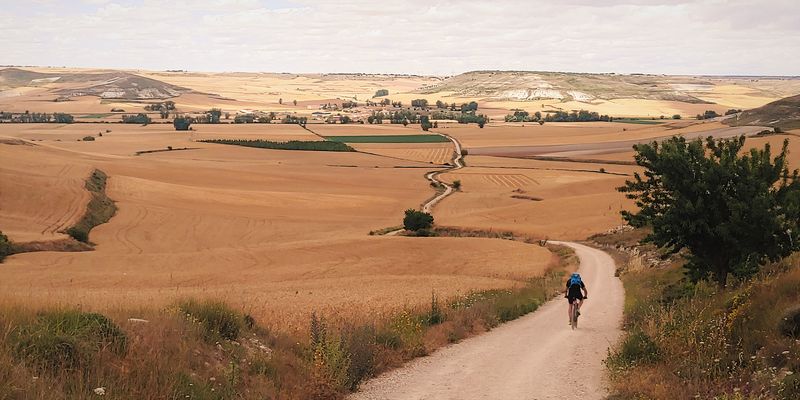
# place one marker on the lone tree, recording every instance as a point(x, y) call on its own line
point(417, 220)
point(731, 213)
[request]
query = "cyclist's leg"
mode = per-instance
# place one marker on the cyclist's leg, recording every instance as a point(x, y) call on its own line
point(571, 302)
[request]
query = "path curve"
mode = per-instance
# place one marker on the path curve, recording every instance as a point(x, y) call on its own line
point(535, 357)
point(433, 176)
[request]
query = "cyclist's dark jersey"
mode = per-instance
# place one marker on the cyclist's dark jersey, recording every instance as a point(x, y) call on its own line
point(574, 291)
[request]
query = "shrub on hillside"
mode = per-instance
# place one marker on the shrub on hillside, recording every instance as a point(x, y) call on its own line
point(636, 348)
point(417, 220)
point(88, 139)
point(790, 324)
point(66, 340)
point(216, 320)
point(5, 246)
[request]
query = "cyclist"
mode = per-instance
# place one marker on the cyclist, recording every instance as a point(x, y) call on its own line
point(575, 290)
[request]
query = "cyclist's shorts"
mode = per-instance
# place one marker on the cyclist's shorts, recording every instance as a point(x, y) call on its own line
point(571, 299)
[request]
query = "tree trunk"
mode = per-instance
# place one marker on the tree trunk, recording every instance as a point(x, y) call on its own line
point(721, 274)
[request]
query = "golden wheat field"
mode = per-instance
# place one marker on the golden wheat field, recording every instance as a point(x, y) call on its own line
point(279, 233)
point(284, 233)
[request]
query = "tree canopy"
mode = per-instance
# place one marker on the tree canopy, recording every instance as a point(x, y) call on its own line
point(415, 220)
point(730, 211)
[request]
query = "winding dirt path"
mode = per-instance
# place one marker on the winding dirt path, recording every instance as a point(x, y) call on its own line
point(535, 357)
point(433, 176)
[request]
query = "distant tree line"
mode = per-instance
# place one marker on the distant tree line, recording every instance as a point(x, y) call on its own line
point(523, 116)
point(576, 116)
point(141, 119)
point(461, 117)
point(404, 117)
point(464, 107)
point(708, 115)
point(168, 105)
point(29, 117)
point(293, 119)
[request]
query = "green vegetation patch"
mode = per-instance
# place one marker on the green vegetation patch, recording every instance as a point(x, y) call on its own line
point(216, 320)
point(302, 145)
point(66, 340)
point(99, 210)
point(5, 246)
point(389, 139)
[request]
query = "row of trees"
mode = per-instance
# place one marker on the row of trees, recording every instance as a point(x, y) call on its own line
point(523, 116)
point(461, 117)
point(576, 116)
point(404, 117)
point(29, 117)
point(708, 115)
point(141, 119)
point(168, 105)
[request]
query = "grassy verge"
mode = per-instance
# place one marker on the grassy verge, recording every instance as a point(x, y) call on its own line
point(694, 340)
point(206, 350)
point(390, 139)
point(99, 210)
point(321, 145)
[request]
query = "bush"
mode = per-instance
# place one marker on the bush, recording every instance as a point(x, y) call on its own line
point(676, 116)
point(790, 323)
point(417, 220)
point(216, 319)
point(457, 184)
point(381, 93)
point(99, 210)
point(5, 246)
point(636, 348)
point(790, 387)
point(66, 340)
point(78, 234)
point(182, 123)
point(88, 139)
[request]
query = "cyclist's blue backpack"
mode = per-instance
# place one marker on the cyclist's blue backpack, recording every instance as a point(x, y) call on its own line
point(575, 279)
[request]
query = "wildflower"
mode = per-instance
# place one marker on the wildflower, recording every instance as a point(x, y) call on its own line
point(101, 391)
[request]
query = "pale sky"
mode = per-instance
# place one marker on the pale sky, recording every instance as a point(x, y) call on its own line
point(416, 36)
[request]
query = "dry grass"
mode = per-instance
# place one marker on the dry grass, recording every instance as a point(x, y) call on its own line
point(689, 340)
point(206, 350)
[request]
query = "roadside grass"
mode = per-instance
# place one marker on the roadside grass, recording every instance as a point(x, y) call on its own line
point(693, 340)
point(207, 350)
point(302, 145)
point(99, 210)
point(389, 139)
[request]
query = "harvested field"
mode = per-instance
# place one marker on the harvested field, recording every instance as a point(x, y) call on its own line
point(278, 233)
point(436, 153)
point(389, 139)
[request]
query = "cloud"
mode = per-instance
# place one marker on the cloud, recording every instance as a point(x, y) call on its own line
point(415, 36)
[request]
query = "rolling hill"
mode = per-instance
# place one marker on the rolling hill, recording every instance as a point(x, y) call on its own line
point(107, 85)
point(783, 113)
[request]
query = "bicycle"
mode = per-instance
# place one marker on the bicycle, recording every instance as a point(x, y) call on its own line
point(576, 307)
